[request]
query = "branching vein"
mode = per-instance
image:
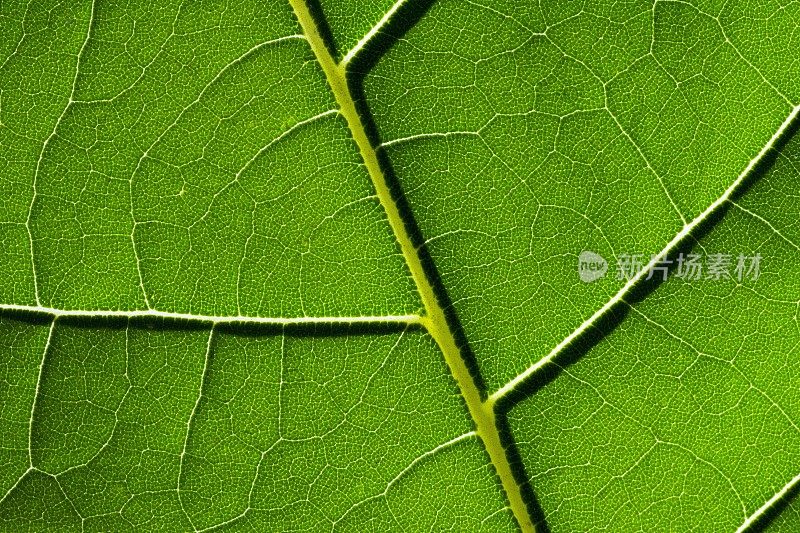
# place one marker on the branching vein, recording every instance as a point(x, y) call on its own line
point(372, 32)
point(751, 520)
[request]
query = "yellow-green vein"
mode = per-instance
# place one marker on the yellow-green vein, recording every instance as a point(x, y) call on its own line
point(434, 320)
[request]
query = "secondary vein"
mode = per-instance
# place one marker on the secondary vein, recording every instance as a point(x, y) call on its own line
point(277, 321)
point(372, 32)
point(626, 289)
point(753, 518)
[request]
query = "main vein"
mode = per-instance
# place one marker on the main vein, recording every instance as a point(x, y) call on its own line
point(434, 320)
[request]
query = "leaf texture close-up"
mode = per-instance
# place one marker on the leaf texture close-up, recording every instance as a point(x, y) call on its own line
point(422, 265)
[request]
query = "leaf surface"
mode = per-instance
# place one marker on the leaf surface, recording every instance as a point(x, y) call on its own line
point(308, 265)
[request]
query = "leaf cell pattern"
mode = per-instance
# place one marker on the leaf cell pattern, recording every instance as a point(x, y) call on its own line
point(311, 264)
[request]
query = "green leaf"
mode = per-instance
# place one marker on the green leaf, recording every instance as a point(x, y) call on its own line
point(307, 265)
point(167, 425)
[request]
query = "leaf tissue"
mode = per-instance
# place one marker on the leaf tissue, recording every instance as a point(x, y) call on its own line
point(413, 265)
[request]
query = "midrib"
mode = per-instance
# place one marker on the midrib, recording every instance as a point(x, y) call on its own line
point(434, 321)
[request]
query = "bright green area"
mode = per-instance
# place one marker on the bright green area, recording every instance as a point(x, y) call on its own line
point(189, 157)
point(289, 432)
point(538, 133)
point(39, 49)
point(687, 414)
